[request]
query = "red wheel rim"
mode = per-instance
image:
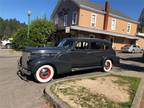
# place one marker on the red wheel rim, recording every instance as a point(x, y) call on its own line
point(45, 73)
point(107, 65)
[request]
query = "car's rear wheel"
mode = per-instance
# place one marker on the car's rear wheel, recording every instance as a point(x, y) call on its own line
point(44, 73)
point(107, 65)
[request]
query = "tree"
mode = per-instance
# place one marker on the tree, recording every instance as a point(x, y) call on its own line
point(40, 33)
point(9, 27)
point(41, 30)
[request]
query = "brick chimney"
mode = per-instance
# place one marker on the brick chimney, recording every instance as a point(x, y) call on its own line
point(106, 17)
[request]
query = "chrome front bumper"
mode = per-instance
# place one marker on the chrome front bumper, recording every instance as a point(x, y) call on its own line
point(23, 70)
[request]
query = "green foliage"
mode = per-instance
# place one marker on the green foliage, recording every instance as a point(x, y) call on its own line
point(9, 27)
point(40, 32)
point(20, 40)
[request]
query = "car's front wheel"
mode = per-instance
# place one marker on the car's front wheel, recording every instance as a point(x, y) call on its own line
point(107, 65)
point(44, 73)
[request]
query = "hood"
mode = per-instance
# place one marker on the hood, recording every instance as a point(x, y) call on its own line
point(44, 50)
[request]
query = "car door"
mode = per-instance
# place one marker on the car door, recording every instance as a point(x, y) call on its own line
point(78, 56)
point(96, 53)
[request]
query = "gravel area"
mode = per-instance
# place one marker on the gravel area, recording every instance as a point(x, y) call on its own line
point(101, 92)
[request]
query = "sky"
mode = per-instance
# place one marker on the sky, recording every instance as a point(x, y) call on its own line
point(18, 8)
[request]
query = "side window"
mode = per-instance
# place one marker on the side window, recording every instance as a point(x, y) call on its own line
point(68, 44)
point(106, 47)
point(99, 46)
point(82, 45)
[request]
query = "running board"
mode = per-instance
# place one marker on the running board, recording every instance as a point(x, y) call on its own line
point(85, 68)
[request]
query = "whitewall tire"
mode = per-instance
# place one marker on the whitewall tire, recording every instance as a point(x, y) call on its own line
point(107, 66)
point(44, 73)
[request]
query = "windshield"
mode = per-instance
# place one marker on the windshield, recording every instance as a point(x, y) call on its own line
point(66, 44)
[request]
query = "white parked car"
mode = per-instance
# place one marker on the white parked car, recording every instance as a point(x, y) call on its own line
point(6, 44)
point(131, 49)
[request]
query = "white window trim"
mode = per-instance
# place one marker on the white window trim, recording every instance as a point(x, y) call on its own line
point(65, 20)
point(93, 14)
point(113, 27)
point(129, 24)
point(73, 16)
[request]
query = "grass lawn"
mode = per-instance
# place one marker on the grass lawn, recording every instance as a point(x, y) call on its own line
point(109, 91)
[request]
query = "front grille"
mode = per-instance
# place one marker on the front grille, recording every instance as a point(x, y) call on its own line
point(25, 58)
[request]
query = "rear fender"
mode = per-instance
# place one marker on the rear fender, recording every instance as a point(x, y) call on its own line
point(106, 58)
point(115, 60)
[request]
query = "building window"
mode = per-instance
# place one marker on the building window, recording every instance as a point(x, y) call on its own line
point(65, 20)
point(128, 27)
point(56, 20)
point(113, 24)
point(74, 18)
point(143, 20)
point(93, 20)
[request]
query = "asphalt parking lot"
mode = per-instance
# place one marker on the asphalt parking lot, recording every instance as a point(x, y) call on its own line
point(131, 62)
point(17, 93)
point(14, 92)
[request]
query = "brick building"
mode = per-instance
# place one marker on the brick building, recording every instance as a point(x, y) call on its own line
point(83, 18)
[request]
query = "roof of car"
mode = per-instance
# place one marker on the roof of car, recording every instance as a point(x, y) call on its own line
point(89, 39)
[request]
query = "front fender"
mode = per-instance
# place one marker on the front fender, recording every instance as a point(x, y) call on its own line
point(59, 65)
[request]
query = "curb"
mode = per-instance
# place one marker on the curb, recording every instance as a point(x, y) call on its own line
point(58, 103)
point(53, 100)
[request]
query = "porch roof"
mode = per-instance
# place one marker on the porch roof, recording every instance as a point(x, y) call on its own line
point(92, 30)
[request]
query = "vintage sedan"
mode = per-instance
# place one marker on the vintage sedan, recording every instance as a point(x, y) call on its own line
point(72, 54)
